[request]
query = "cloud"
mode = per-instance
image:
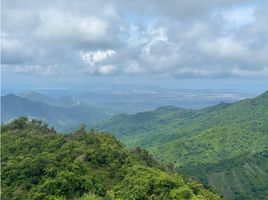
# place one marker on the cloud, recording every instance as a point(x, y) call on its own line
point(209, 38)
point(240, 15)
point(36, 69)
point(133, 67)
point(95, 61)
point(61, 26)
point(107, 69)
point(93, 57)
point(224, 47)
point(263, 72)
point(175, 9)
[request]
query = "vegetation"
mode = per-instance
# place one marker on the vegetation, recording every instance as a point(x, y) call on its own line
point(39, 163)
point(224, 145)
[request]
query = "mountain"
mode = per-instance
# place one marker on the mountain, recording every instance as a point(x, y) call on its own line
point(39, 163)
point(130, 100)
point(62, 101)
point(62, 118)
point(224, 146)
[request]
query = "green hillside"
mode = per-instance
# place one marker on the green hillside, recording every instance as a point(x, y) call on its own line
point(199, 142)
point(38, 163)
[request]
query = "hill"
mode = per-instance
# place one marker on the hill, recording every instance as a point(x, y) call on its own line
point(38, 163)
point(201, 142)
point(62, 118)
point(65, 101)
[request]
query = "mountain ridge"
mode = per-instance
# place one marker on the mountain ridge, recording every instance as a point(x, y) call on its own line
point(62, 118)
point(65, 101)
point(203, 138)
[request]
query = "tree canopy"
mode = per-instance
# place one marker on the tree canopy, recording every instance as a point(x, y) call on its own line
point(39, 163)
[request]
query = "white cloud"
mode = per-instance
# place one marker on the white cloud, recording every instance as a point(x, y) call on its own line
point(107, 69)
point(93, 57)
point(133, 67)
point(57, 25)
point(156, 36)
point(36, 69)
point(97, 62)
point(8, 43)
point(183, 38)
point(224, 48)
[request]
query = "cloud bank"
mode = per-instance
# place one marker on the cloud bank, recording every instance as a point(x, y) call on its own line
point(184, 39)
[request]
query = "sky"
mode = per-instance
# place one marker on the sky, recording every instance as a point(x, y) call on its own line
point(208, 44)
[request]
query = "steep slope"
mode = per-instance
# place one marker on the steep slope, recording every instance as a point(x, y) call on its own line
point(242, 177)
point(38, 163)
point(141, 128)
point(155, 127)
point(62, 118)
point(206, 139)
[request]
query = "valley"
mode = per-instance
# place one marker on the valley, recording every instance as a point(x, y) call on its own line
point(224, 146)
point(221, 145)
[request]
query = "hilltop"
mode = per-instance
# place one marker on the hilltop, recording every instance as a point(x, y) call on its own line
point(39, 163)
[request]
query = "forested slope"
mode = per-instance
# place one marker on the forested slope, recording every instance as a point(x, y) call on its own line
point(39, 163)
point(200, 141)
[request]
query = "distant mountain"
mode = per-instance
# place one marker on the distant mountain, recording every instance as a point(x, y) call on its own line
point(224, 145)
point(133, 100)
point(62, 118)
point(62, 101)
point(130, 100)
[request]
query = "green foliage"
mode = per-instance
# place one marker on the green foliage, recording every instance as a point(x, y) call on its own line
point(150, 183)
point(181, 193)
point(90, 196)
point(40, 164)
point(220, 145)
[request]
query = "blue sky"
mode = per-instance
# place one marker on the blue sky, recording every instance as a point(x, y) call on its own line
point(211, 44)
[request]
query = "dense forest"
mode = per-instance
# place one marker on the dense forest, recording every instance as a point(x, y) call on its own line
point(39, 163)
point(224, 146)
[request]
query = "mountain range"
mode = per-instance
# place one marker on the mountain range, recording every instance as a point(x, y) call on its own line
point(65, 111)
point(225, 146)
point(63, 101)
point(60, 116)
